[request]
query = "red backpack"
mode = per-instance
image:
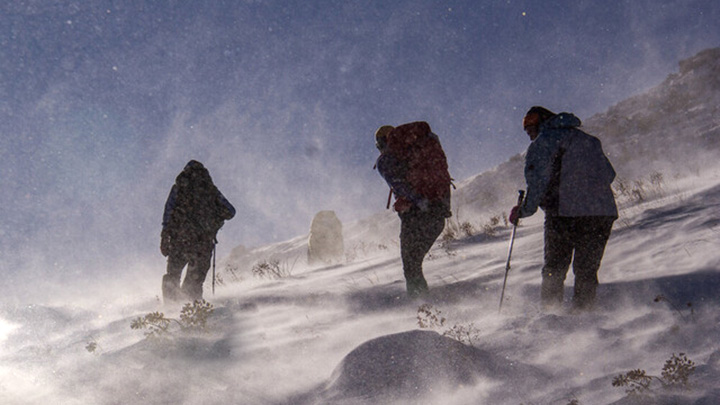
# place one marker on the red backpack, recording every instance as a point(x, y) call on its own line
point(427, 172)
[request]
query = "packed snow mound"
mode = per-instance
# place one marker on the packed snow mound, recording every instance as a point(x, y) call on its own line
point(419, 363)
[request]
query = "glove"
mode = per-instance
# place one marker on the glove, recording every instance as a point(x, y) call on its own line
point(401, 205)
point(514, 215)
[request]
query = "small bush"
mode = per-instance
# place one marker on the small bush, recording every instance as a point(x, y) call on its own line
point(677, 371)
point(428, 317)
point(490, 227)
point(219, 280)
point(638, 191)
point(620, 188)
point(466, 334)
point(155, 322)
point(363, 249)
point(234, 271)
point(657, 180)
point(467, 229)
point(449, 235)
point(675, 374)
point(506, 221)
point(193, 318)
point(633, 192)
point(662, 298)
point(636, 381)
point(92, 347)
point(271, 269)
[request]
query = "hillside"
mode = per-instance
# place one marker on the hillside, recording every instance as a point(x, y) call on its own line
point(668, 132)
point(346, 333)
point(672, 129)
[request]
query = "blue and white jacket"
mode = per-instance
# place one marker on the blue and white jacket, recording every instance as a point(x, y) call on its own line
point(567, 172)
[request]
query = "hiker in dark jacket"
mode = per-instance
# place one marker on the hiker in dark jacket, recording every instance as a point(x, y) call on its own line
point(569, 177)
point(194, 212)
point(413, 164)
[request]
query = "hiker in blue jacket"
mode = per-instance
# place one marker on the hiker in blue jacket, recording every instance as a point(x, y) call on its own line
point(568, 176)
point(194, 212)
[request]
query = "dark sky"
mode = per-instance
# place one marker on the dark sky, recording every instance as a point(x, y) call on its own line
point(104, 102)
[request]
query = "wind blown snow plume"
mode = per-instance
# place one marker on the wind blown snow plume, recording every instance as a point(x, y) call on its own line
point(274, 97)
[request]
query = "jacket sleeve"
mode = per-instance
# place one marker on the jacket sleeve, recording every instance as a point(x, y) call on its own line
point(394, 172)
point(169, 205)
point(227, 211)
point(538, 169)
point(609, 169)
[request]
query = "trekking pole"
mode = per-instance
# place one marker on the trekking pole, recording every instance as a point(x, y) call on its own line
point(214, 250)
point(521, 196)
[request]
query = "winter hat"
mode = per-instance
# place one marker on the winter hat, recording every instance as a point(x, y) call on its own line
point(536, 116)
point(381, 136)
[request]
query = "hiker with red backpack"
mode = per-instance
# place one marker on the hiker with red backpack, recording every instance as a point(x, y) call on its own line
point(194, 212)
point(414, 165)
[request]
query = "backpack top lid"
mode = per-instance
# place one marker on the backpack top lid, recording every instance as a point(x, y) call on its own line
point(401, 139)
point(421, 153)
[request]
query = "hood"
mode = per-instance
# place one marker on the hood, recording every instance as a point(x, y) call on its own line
point(194, 172)
point(562, 120)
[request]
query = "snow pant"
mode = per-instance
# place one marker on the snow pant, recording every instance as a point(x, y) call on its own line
point(585, 239)
point(198, 264)
point(418, 232)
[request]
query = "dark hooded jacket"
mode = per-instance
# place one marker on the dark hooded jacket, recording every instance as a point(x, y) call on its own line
point(567, 172)
point(194, 211)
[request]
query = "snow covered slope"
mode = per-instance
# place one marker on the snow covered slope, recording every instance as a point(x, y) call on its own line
point(347, 334)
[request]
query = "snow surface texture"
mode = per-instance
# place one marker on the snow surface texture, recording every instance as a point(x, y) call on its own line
point(347, 333)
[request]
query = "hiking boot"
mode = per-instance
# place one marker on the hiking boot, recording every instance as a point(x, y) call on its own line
point(416, 287)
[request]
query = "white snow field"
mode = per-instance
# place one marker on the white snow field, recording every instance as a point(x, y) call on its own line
point(347, 333)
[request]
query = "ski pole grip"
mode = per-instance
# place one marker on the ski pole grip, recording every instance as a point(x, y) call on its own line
point(521, 197)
